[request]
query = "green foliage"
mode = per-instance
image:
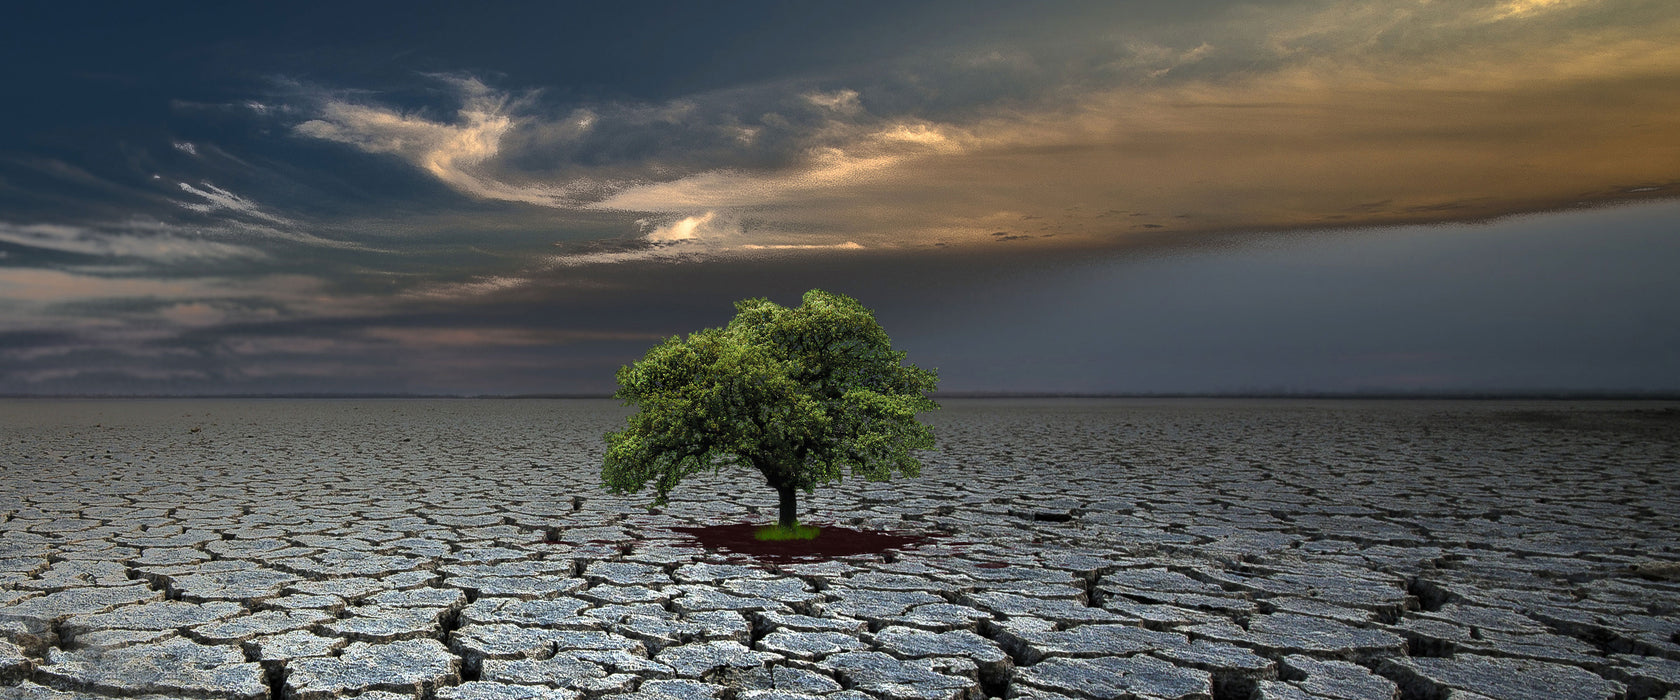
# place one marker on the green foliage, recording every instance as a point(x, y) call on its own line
point(802, 395)
point(780, 533)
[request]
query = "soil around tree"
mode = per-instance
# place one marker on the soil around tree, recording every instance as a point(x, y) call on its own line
point(835, 541)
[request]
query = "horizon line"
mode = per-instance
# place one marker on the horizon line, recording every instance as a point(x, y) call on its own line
point(1573, 395)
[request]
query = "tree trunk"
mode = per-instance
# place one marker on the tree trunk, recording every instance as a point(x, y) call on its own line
point(790, 507)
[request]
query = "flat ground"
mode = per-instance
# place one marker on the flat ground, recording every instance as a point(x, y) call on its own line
point(1174, 549)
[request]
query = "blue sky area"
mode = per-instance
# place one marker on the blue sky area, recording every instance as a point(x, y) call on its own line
point(1312, 196)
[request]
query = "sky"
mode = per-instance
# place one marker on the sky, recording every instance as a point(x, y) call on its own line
point(1188, 196)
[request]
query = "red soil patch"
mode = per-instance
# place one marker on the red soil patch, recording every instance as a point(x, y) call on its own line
point(835, 541)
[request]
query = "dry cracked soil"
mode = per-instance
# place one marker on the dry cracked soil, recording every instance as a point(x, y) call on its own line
point(1215, 550)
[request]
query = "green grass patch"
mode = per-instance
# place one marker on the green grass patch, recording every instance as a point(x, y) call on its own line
point(777, 533)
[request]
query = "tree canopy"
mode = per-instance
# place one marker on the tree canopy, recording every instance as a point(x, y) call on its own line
point(802, 395)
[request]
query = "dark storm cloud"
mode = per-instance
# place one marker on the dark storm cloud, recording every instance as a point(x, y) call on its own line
point(1401, 310)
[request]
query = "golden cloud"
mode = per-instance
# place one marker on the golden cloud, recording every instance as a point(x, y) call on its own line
point(1353, 137)
point(1342, 114)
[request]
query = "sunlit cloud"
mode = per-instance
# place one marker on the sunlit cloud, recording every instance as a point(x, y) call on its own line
point(1346, 131)
point(848, 245)
point(824, 169)
point(686, 229)
point(684, 251)
point(1323, 114)
point(454, 153)
point(1523, 8)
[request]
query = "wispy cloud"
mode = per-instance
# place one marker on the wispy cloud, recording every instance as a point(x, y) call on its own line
point(848, 245)
point(722, 248)
point(687, 228)
point(842, 101)
point(1510, 9)
point(494, 336)
point(45, 286)
point(453, 152)
point(136, 371)
point(472, 288)
point(216, 198)
point(131, 241)
point(821, 170)
point(659, 253)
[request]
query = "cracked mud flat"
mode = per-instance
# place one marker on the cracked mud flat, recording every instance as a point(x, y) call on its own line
point(1082, 549)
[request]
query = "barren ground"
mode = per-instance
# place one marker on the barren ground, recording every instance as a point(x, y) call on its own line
point(1084, 548)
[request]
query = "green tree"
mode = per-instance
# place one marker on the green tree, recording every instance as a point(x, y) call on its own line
point(799, 394)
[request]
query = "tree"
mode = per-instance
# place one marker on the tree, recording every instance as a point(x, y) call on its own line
point(799, 394)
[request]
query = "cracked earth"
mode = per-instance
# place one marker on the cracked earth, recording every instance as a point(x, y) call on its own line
point(1078, 549)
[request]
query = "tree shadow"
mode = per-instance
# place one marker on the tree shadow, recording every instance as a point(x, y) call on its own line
point(835, 541)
